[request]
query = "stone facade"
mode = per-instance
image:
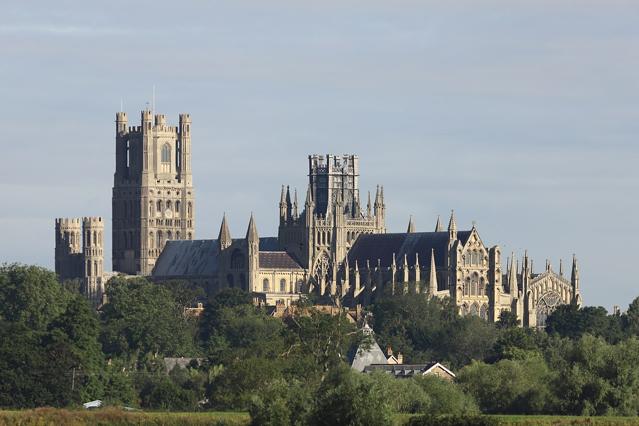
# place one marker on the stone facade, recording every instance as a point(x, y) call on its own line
point(79, 254)
point(153, 196)
point(337, 249)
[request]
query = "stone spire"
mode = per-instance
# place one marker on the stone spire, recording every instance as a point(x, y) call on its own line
point(452, 226)
point(411, 225)
point(251, 232)
point(574, 279)
point(561, 267)
point(289, 205)
point(283, 206)
point(224, 237)
point(295, 212)
point(512, 277)
point(309, 197)
point(432, 282)
point(438, 226)
point(368, 206)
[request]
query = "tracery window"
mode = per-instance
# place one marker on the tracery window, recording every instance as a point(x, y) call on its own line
point(166, 153)
point(483, 312)
point(546, 304)
point(283, 285)
point(265, 285)
point(474, 309)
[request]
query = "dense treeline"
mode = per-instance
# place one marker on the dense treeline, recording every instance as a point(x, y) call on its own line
point(55, 350)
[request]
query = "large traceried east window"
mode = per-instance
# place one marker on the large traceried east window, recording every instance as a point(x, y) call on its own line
point(546, 305)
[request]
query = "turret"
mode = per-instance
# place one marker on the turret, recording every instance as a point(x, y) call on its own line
point(68, 248)
point(512, 277)
point(283, 216)
point(93, 254)
point(121, 122)
point(452, 226)
point(253, 249)
point(574, 280)
point(224, 239)
point(184, 151)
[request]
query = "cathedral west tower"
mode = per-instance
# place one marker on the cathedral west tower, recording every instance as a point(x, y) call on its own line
point(153, 197)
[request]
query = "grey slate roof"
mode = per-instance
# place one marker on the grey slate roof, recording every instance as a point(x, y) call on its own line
point(181, 258)
point(277, 260)
point(360, 358)
point(382, 246)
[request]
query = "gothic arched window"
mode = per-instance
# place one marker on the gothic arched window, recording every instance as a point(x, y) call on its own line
point(265, 285)
point(166, 153)
point(177, 207)
point(474, 309)
point(237, 260)
point(159, 240)
point(282, 285)
point(483, 312)
point(189, 209)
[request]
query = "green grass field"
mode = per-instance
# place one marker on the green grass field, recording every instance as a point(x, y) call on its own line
point(115, 416)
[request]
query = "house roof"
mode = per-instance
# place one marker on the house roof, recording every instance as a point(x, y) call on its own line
point(407, 370)
point(361, 357)
point(382, 246)
point(277, 260)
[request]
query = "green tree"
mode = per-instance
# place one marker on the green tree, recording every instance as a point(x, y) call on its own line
point(30, 295)
point(573, 322)
point(508, 319)
point(509, 386)
point(632, 318)
point(144, 318)
point(348, 398)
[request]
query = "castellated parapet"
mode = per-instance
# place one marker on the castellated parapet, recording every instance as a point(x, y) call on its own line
point(79, 254)
point(153, 196)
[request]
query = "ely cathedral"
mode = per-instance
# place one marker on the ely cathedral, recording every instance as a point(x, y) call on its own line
point(333, 244)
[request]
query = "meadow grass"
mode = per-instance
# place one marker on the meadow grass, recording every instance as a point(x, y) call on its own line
point(119, 417)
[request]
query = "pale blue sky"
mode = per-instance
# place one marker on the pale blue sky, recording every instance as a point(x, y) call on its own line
point(520, 115)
